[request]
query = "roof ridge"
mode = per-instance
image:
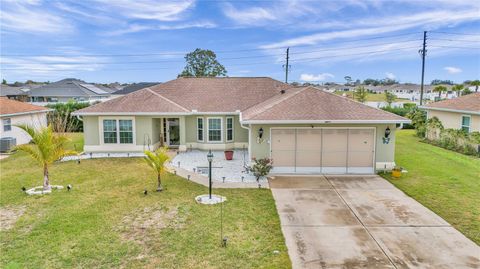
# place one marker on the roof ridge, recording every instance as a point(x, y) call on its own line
point(166, 99)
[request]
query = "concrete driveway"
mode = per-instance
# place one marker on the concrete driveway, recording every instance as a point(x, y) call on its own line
point(364, 222)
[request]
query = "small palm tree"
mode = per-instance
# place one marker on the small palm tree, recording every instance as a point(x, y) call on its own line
point(46, 147)
point(157, 160)
point(458, 89)
point(475, 83)
point(440, 89)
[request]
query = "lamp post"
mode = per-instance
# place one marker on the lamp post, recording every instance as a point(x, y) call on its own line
point(210, 159)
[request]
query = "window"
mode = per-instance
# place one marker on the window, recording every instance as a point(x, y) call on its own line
point(126, 131)
point(215, 129)
point(229, 129)
point(200, 129)
point(466, 123)
point(7, 125)
point(110, 131)
point(115, 131)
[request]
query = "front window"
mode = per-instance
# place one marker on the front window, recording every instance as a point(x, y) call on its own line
point(126, 131)
point(110, 131)
point(200, 129)
point(466, 123)
point(215, 129)
point(7, 125)
point(229, 129)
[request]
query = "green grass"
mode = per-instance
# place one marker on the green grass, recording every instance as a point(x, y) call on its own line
point(445, 181)
point(372, 97)
point(85, 228)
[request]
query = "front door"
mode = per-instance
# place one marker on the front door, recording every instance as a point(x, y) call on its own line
point(173, 132)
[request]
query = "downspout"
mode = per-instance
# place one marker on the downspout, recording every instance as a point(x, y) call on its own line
point(249, 135)
point(78, 118)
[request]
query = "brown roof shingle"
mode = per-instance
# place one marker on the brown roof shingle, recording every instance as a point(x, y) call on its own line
point(9, 107)
point(469, 102)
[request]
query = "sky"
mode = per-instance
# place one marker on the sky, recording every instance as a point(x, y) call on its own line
point(145, 40)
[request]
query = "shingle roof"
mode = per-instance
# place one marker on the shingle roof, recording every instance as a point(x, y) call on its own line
point(9, 107)
point(312, 104)
point(71, 88)
point(469, 102)
point(135, 87)
point(6, 90)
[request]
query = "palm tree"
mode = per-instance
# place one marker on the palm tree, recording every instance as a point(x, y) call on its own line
point(458, 89)
point(475, 83)
point(157, 160)
point(440, 89)
point(46, 147)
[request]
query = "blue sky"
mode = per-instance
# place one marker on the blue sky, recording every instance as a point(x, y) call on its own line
point(145, 40)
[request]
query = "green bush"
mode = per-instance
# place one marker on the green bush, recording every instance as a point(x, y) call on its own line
point(459, 141)
point(402, 111)
point(61, 118)
point(419, 118)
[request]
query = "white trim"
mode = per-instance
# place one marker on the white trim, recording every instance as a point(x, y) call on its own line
point(451, 110)
point(329, 170)
point(226, 129)
point(325, 121)
point(217, 146)
point(116, 119)
point(193, 112)
point(203, 129)
point(26, 113)
point(221, 130)
point(469, 122)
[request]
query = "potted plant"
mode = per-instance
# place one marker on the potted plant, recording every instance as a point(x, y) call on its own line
point(397, 171)
point(229, 155)
point(261, 167)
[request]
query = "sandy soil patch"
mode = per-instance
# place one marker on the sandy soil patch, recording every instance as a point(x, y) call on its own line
point(9, 216)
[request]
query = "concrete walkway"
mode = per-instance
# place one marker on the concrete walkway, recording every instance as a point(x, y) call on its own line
point(364, 222)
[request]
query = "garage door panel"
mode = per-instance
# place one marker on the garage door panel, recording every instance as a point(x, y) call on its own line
point(283, 158)
point(309, 139)
point(283, 139)
point(308, 158)
point(360, 147)
point(360, 159)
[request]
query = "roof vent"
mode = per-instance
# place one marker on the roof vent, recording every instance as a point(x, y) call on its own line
point(282, 91)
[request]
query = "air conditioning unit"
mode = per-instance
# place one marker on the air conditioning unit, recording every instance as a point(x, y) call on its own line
point(7, 143)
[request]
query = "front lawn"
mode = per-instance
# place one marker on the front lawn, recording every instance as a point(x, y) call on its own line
point(372, 97)
point(445, 181)
point(107, 222)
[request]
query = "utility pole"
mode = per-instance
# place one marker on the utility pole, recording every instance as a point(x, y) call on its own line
point(286, 66)
point(423, 52)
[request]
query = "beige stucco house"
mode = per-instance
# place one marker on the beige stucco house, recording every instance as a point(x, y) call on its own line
point(459, 113)
point(303, 129)
point(13, 113)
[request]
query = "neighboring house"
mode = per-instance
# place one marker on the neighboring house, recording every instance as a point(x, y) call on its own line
point(15, 93)
point(304, 129)
point(16, 113)
point(70, 89)
point(458, 113)
point(133, 88)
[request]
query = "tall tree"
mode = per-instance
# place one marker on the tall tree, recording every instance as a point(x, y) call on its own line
point(458, 89)
point(348, 79)
point(46, 147)
point(157, 161)
point(361, 94)
point(4, 82)
point(202, 63)
point(440, 89)
point(475, 83)
point(389, 97)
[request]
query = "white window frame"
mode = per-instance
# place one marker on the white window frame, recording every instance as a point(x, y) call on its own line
point(203, 129)
point(9, 124)
point(221, 129)
point(116, 119)
point(227, 129)
point(469, 122)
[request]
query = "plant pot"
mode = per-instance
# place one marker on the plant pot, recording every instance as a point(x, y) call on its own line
point(229, 155)
point(396, 173)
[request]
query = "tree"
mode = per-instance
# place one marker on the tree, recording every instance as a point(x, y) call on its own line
point(440, 89)
point(440, 81)
point(389, 97)
point(4, 82)
point(458, 89)
point(202, 63)
point(46, 147)
point(261, 168)
point(348, 79)
point(475, 83)
point(360, 94)
point(157, 160)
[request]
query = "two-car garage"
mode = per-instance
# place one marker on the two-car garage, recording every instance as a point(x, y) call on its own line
point(323, 150)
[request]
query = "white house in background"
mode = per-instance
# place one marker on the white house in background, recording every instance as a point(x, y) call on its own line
point(16, 113)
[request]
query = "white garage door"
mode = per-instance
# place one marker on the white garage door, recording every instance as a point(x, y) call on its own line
point(323, 150)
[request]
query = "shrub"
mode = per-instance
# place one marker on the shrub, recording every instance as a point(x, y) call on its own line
point(419, 119)
point(261, 167)
point(61, 118)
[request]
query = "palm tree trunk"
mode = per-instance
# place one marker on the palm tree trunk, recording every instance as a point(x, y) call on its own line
point(46, 182)
point(159, 187)
point(439, 95)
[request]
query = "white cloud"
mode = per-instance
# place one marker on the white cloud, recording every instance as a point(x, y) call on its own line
point(134, 28)
point(452, 70)
point(248, 16)
point(313, 78)
point(390, 75)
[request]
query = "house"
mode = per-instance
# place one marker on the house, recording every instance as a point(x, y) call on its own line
point(303, 129)
point(134, 87)
point(14, 113)
point(15, 93)
point(70, 89)
point(458, 113)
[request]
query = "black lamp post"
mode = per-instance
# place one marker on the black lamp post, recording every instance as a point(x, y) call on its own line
point(210, 159)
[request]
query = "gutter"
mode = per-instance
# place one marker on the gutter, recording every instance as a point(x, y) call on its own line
point(249, 134)
point(325, 121)
point(26, 113)
point(450, 110)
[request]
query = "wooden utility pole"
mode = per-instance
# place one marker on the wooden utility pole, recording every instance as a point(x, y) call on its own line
point(286, 66)
point(423, 52)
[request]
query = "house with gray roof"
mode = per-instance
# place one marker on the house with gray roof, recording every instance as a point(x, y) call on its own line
point(14, 93)
point(134, 87)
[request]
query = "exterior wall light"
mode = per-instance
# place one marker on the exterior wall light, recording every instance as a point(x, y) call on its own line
point(260, 133)
point(386, 137)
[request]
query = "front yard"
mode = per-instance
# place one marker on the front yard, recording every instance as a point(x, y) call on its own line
point(445, 181)
point(106, 221)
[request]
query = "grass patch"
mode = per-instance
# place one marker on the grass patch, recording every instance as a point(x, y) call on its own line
point(445, 181)
point(107, 222)
point(372, 97)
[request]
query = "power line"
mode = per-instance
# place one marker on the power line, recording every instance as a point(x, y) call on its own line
point(453, 47)
point(453, 33)
point(455, 40)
